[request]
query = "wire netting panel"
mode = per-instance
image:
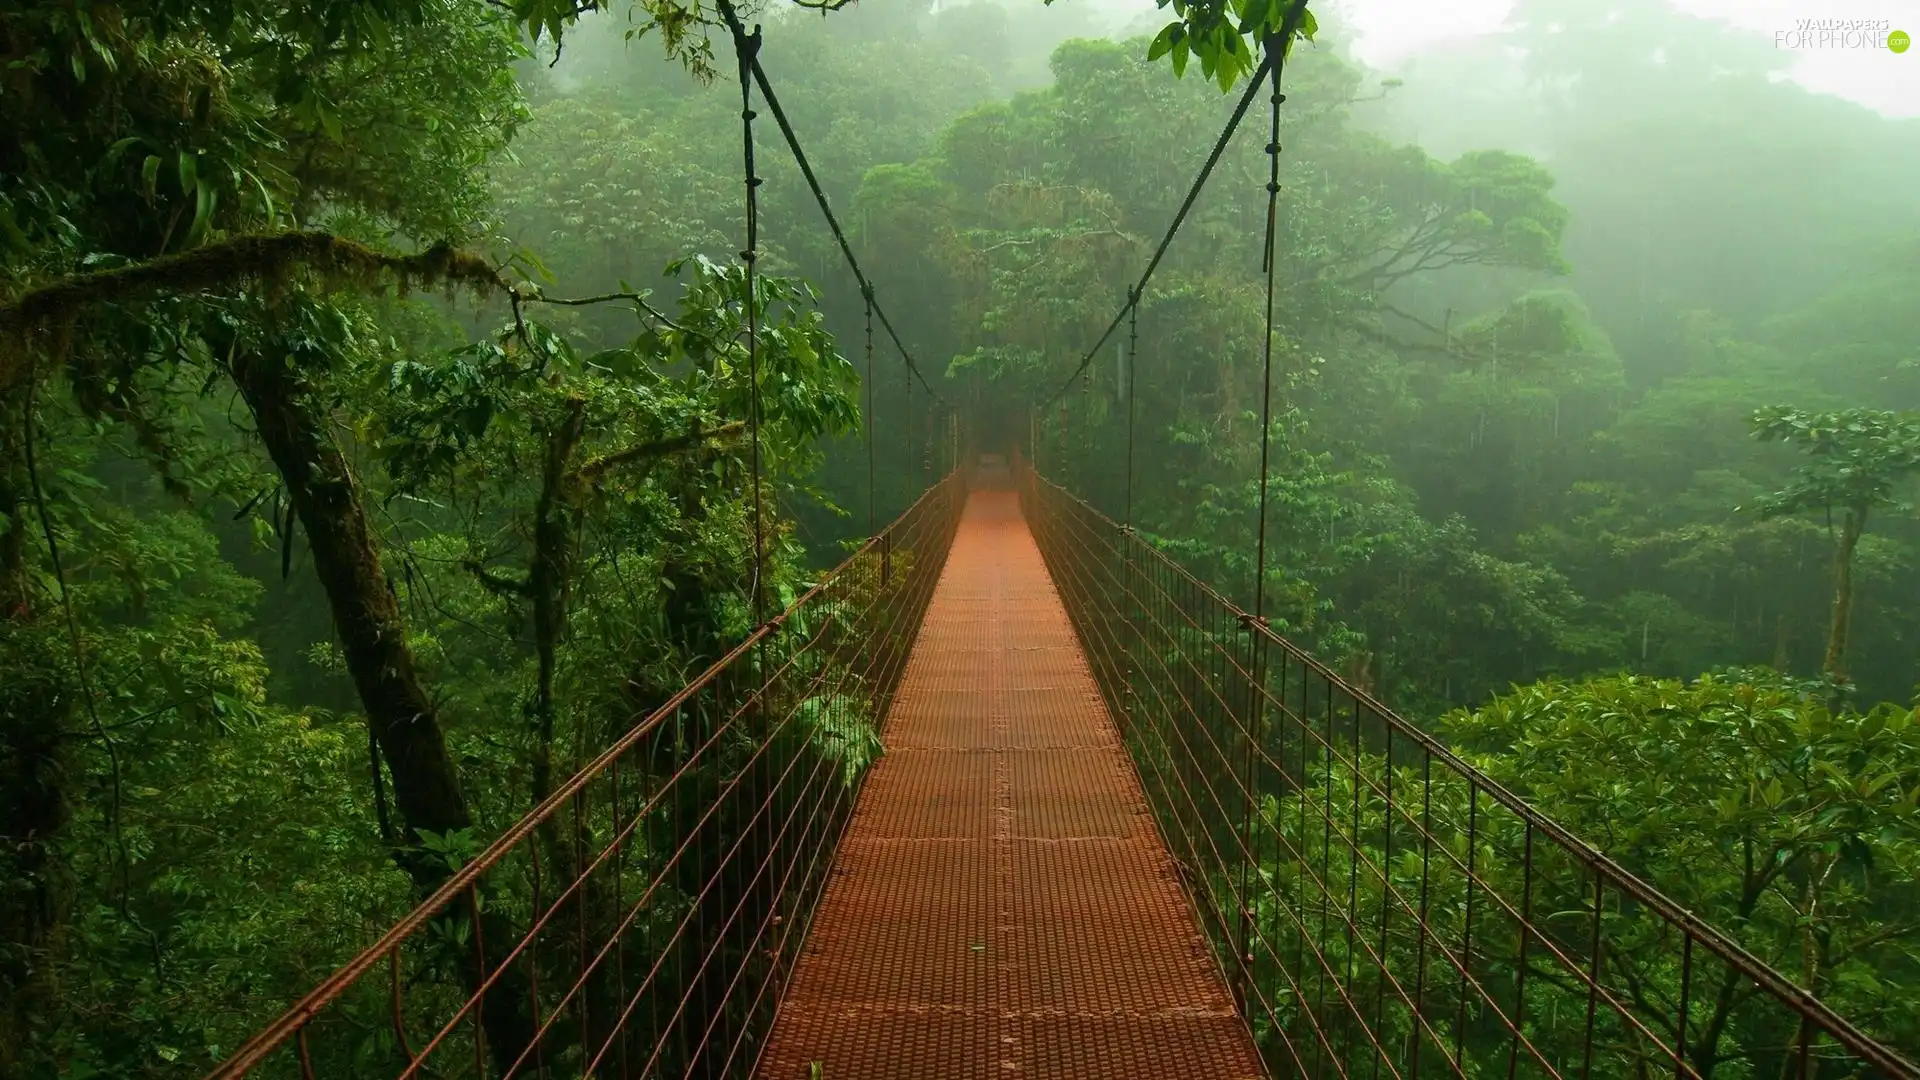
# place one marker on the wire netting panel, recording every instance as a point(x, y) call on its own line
point(645, 919)
point(1381, 908)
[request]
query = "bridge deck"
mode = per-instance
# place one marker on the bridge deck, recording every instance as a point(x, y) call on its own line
point(1002, 905)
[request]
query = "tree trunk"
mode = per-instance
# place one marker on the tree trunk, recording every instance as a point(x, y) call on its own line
point(36, 894)
point(548, 579)
point(1813, 955)
point(1850, 530)
point(366, 614)
point(14, 594)
point(373, 637)
point(36, 890)
point(549, 586)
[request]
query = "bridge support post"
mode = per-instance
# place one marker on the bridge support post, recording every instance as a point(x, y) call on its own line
point(1253, 725)
point(1130, 618)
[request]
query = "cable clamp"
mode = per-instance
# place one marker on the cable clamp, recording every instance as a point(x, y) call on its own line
point(746, 44)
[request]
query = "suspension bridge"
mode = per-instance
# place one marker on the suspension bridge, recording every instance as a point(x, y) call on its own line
point(1116, 828)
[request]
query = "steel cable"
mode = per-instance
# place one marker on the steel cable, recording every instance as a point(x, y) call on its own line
point(1179, 219)
point(760, 79)
point(746, 47)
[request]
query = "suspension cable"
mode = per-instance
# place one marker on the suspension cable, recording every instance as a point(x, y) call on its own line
point(746, 47)
point(866, 294)
point(907, 435)
point(1276, 48)
point(752, 65)
point(1131, 374)
point(1186, 206)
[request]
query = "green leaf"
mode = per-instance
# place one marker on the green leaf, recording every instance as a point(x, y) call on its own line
point(16, 239)
point(1169, 36)
point(329, 121)
point(150, 174)
point(266, 199)
point(1259, 15)
point(207, 197)
point(189, 172)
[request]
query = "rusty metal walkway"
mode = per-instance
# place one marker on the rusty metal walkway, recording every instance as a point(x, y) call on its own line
point(994, 900)
point(1002, 905)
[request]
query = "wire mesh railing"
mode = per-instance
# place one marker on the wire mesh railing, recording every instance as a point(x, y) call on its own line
point(1382, 909)
point(642, 921)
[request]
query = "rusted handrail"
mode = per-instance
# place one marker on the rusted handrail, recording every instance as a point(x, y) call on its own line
point(721, 808)
point(1307, 809)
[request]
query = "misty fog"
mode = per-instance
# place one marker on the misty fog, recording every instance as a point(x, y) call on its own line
point(378, 444)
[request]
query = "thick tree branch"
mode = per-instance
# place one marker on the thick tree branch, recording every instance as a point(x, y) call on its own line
point(639, 300)
point(598, 467)
point(1420, 242)
point(1448, 346)
point(238, 259)
point(1437, 331)
point(1886, 934)
point(1401, 345)
point(497, 583)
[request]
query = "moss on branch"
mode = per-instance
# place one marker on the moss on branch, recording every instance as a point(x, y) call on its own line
point(238, 260)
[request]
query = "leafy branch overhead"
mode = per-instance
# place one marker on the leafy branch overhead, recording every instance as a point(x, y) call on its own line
point(1222, 34)
point(235, 262)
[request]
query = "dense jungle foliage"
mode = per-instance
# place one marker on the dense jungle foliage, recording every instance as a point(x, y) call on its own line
point(372, 432)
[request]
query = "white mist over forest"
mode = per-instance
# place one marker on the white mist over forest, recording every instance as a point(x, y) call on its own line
point(390, 425)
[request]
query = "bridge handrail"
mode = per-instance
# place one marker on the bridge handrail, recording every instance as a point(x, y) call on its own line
point(287, 1028)
point(1762, 975)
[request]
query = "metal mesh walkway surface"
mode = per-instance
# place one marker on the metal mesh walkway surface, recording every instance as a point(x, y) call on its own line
point(1002, 905)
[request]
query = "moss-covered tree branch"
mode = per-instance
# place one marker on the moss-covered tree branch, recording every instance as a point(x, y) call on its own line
point(237, 260)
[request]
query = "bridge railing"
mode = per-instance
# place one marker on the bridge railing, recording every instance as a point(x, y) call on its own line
point(643, 921)
point(1381, 908)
